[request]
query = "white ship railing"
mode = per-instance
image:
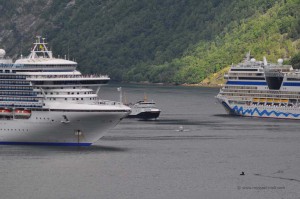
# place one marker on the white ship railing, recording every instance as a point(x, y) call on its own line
point(35, 77)
point(109, 102)
point(36, 66)
point(292, 75)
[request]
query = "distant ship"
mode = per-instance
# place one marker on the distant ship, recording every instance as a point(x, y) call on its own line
point(260, 89)
point(145, 110)
point(46, 101)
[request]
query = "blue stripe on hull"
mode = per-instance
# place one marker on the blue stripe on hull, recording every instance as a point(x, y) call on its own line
point(241, 111)
point(264, 113)
point(291, 84)
point(46, 143)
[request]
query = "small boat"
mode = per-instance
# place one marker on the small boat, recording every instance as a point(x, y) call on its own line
point(144, 110)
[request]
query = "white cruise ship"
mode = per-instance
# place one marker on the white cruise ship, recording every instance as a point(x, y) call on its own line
point(45, 100)
point(260, 89)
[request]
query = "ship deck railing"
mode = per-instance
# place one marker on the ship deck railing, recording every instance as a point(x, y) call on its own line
point(18, 100)
point(34, 77)
point(20, 105)
point(15, 89)
point(36, 66)
point(16, 94)
point(108, 102)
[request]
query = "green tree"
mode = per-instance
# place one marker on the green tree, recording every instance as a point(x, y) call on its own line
point(295, 61)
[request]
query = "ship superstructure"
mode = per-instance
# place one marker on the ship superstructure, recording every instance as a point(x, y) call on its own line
point(261, 89)
point(45, 100)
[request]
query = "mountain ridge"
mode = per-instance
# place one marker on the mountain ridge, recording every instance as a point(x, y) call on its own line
point(171, 41)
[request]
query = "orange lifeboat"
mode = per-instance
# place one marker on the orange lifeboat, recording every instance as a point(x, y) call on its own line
point(25, 113)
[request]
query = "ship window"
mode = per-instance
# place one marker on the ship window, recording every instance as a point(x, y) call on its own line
point(76, 98)
point(77, 93)
point(65, 98)
point(81, 98)
point(68, 93)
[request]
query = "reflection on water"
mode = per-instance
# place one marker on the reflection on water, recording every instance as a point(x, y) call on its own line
point(44, 151)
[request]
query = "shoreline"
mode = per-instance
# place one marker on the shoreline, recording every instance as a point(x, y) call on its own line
point(172, 84)
point(204, 85)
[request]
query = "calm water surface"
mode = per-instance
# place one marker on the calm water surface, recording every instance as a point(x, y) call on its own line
point(152, 159)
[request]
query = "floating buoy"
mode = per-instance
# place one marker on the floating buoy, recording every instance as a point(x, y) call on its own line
point(181, 129)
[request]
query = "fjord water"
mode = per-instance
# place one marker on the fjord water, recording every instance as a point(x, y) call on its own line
point(154, 160)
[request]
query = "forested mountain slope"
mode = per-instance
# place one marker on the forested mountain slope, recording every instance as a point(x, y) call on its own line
point(175, 41)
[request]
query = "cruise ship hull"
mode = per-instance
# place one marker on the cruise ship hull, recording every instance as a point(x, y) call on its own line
point(59, 128)
point(261, 111)
point(261, 89)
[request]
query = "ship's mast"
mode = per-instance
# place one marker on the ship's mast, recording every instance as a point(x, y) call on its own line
point(40, 49)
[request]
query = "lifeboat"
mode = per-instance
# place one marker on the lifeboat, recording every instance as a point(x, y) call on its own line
point(5, 112)
point(277, 100)
point(26, 113)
